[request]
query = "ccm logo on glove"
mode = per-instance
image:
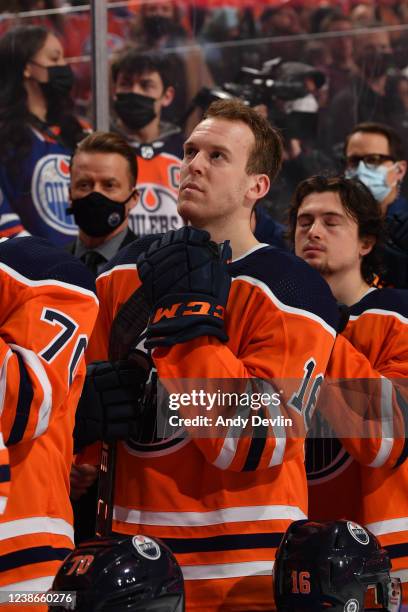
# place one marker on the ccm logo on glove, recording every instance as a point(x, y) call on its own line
point(191, 308)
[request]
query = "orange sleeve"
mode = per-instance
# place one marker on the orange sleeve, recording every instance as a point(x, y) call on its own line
point(43, 337)
point(365, 408)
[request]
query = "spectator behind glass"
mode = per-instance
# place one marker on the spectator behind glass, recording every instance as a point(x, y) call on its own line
point(397, 94)
point(364, 99)
point(143, 85)
point(222, 25)
point(280, 21)
point(374, 153)
point(362, 14)
point(38, 133)
point(159, 27)
point(341, 48)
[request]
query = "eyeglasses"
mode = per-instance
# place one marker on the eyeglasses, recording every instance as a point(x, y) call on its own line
point(372, 161)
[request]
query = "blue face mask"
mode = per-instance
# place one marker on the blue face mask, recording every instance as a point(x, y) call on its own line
point(375, 179)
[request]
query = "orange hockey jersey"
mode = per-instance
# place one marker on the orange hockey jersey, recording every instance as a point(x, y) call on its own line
point(376, 497)
point(222, 504)
point(48, 308)
point(158, 181)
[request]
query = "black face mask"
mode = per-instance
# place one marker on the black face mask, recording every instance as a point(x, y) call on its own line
point(60, 79)
point(98, 215)
point(157, 26)
point(374, 64)
point(134, 110)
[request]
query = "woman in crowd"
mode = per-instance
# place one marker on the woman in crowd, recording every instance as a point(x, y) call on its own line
point(38, 132)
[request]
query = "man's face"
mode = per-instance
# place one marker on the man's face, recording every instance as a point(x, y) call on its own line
point(341, 47)
point(214, 184)
point(326, 237)
point(162, 9)
point(145, 84)
point(284, 20)
point(376, 41)
point(107, 173)
point(369, 143)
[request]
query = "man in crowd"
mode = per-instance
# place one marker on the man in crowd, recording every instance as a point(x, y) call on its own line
point(342, 66)
point(143, 85)
point(48, 311)
point(337, 227)
point(221, 503)
point(365, 98)
point(374, 153)
point(102, 194)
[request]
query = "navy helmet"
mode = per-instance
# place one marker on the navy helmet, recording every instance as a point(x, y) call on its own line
point(121, 574)
point(336, 566)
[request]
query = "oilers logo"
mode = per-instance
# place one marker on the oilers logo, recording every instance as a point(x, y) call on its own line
point(146, 547)
point(49, 190)
point(358, 533)
point(158, 182)
point(155, 197)
point(351, 605)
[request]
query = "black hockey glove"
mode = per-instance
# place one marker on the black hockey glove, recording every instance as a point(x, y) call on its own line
point(109, 408)
point(398, 230)
point(186, 283)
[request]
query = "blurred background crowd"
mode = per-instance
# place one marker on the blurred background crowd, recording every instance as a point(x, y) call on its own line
point(316, 68)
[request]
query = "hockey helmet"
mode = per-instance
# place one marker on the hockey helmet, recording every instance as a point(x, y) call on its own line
point(118, 574)
point(336, 566)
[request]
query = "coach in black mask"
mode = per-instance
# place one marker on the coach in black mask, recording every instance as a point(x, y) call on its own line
point(102, 193)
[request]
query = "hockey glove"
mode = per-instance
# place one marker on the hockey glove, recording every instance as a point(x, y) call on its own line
point(109, 408)
point(186, 283)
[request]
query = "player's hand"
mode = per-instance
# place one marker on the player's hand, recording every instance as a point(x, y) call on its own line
point(81, 478)
point(110, 405)
point(186, 282)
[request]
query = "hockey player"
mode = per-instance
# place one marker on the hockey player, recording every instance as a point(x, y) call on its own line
point(221, 504)
point(48, 309)
point(337, 228)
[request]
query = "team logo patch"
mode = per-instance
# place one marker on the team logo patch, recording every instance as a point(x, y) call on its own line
point(158, 184)
point(358, 533)
point(114, 219)
point(146, 547)
point(352, 605)
point(155, 197)
point(146, 151)
point(49, 190)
